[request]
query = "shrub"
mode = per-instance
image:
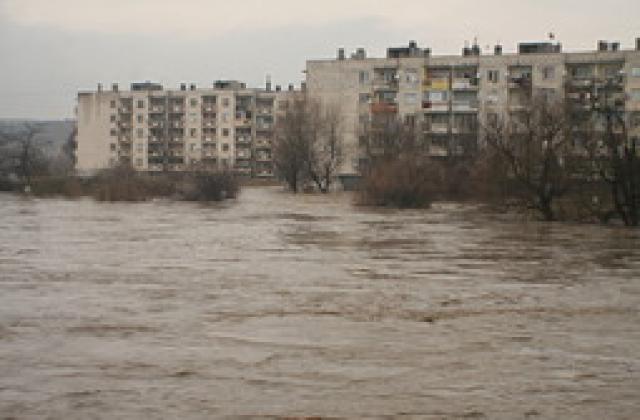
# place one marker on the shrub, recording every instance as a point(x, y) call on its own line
point(404, 183)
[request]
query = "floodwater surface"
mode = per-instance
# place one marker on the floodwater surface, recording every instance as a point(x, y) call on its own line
point(274, 305)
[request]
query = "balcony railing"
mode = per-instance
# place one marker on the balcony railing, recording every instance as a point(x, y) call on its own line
point(156, 109)
point(433, 106)
point(439, 128)
point(384, 107)
point(464, 84)
point(465, 105)
point(440, 83)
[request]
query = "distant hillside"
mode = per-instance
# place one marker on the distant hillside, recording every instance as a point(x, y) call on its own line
point(52, 137)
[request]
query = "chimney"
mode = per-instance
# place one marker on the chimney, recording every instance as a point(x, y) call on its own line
point(192, 86)
point(278, 88)
point(183, 86)
point(268, 83)
point(426, 52)
point(497, 50)
point(340, 54)
point(290, 87)
point(303, 86)
point(615, 46)
point(637, 44)
point(361, 54)
point(413, 45)
point(603, 46)
point(475, 49)
point(114, 87)
point(99, 87)
point(466, 51)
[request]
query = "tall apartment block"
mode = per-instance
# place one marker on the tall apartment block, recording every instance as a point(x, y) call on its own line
point(451, 96)
point(226, 127)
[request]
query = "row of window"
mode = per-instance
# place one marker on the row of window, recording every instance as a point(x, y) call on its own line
point(140, 103)
point(493, 75)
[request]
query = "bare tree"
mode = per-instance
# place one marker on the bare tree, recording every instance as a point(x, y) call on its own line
point(386, 137)
point(535, 144)
point(613, 155)
point(308, 144)
point(325, 150)
point(22, 156)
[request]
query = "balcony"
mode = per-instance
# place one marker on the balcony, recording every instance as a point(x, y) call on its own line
point(265, 111)
point(440, 83)
point(465, 106)
point(156, 109)
point(522, 81)
point(177, 124)
point(125, 110)
point(384, 108)
point(176, 109)
point(264, 126)
point(209, 123)
point(464, 84)
point(208, 107)
point(243, 154)
point(124, 139)
point(243, 122)
point(439, 128)
point(243, 140)
point(260, 157)
point(385, 84)
point(433, 106)
point(209, 140)
point(156, 124)
point(262, 144)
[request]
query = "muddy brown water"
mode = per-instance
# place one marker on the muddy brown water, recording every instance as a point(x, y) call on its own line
point(274, 305)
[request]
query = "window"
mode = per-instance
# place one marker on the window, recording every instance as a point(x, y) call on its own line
point(140, 118)
point(493, 76)
point(411, 76)
point(140, 147)
point(548, 73)
point(113, 132)
point(140, 104)
point(112, 118)
point(192, 147)
point(411, 98)
point(112, 147)
point(225, 147)
point(363, 77)
point(193, 132)
point(225, 132)
point(140, 133)
point(138, 162)
point(438, 96)
point(364, 98)
point(225, 102)
point(113, 104)
point(193, 102)
point(635, 95)
point(225, 116)
point(635, 72)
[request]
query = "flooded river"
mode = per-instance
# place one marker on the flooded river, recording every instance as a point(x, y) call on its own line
point(275, 305)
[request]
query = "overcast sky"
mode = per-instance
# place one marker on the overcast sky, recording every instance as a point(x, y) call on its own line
point(50, 49)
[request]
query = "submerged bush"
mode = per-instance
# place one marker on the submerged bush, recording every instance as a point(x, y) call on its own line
point(403, 183)
point(125, 184)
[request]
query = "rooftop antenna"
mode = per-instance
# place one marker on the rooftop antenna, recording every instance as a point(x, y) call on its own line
point(552, 36)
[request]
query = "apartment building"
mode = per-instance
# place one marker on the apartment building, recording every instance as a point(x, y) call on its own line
point(225, 127)
point(451, 96)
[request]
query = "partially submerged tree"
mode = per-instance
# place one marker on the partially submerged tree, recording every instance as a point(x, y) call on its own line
point(535, 145)
point(614, 155)
point(308, 144)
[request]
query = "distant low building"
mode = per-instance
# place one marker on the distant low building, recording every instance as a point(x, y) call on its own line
point(225, 127)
